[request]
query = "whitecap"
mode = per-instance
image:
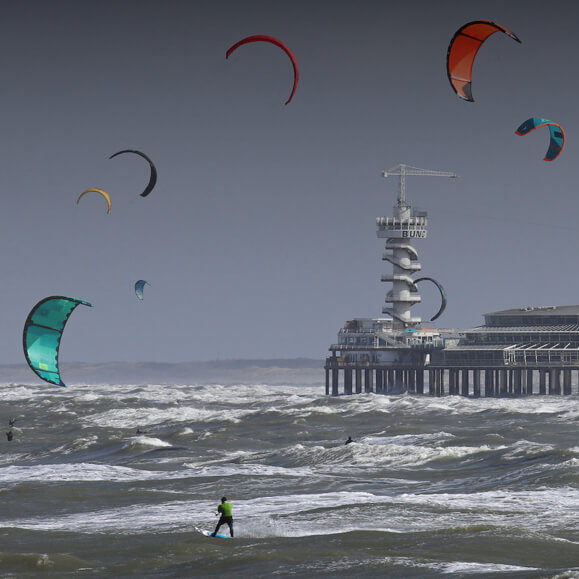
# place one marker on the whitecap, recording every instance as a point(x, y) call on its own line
point(147, 441)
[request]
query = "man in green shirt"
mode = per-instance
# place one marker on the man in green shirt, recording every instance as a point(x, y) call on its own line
point(225, 509)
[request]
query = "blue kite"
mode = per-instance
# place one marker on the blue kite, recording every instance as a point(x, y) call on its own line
point(139, 285)
point(557, 135)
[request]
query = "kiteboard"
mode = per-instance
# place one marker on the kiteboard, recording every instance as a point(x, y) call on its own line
point(209, 534)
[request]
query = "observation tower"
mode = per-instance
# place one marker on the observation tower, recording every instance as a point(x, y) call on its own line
point(400, 231)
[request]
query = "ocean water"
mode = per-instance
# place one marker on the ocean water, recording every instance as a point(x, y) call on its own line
point(431, 486)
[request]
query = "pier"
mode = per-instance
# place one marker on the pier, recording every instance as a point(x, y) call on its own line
point(522, 351)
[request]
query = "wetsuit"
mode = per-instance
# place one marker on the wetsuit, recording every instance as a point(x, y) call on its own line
point(225, 509)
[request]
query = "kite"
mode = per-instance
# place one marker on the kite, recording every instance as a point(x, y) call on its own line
point(42, 333)
point(264, 38)
point(152, 178)
point(102, 192)
point(557, 141)
point(462, 51)
point(442, 295)
point(139, 285)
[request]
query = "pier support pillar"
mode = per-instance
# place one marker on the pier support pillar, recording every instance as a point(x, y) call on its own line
point(453, 382)
point(399, 380)
point(431, 382)
point(476, 383)
point(529, 390)
point(489, 387)
point(419, 381)
point(411, 381)
point(554, 381)
point(465, 386)
point(358, 377)
point(379, 381)
point(389, 380)
point(335, 381)
point(368, 382)
point(567, 381)
point(436, 383)
point(440, 383)
point(502, 390)
point(347, 380)
point(542, 382)
point(518, 381)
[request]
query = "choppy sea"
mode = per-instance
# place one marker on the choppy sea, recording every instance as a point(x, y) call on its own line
point(111, 481)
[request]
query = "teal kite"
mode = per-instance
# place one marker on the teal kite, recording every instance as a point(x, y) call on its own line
point(42, 333)
point(557, 134)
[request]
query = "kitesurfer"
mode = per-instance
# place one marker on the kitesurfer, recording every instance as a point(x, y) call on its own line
point(225, 510)
point(349, 440)
point(9, 435)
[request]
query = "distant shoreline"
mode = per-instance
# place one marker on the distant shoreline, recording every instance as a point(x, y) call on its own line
point(299, 371)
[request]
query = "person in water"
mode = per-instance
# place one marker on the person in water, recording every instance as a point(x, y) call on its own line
point(225, 510)
point(9, 435)
point(349, 440)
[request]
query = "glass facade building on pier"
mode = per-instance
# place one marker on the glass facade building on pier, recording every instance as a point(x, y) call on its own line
point(526, 337)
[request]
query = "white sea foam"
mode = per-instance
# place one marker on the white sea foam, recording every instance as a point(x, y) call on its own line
point(78, 472)
point(76, 445)
point(551, 508)
point(409, 439)
point(412, 456)
point(95, 472)
point(147, 441)
point(16, 392)
point(88, 397)
point(524, 448)
point(536, 405)
point(380, 453)
point(319, 514)
point(146, 417)
point(462, 567)
point(185, 431)
point(468, 567)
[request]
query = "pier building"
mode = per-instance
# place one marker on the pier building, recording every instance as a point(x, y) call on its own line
point(517, 352)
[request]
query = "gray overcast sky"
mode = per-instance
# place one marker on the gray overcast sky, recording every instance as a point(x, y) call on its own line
point(259, 239)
